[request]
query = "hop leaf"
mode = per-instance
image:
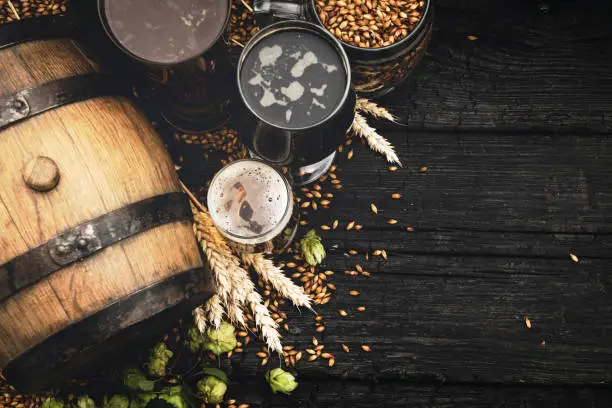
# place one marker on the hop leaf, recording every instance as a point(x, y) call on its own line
point(141, 400)
point(117, 401)
point(135, 380)
point(212, 389)
point(85, 401)
point(312, 248)
point(221, 340)
point(158, 360)
point(173, 396)
point(281, 381)
point(195, 340)
point(215, 372)
point(51, 402)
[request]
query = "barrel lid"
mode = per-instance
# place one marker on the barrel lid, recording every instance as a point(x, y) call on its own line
point(165, 31)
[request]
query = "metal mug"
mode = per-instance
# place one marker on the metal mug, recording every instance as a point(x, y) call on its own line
point(307, 149)
point(376, 71)
point(177, 49)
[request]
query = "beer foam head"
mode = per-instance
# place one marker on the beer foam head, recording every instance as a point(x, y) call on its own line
point(293, 78)
point(249, 201)
point(166, 32)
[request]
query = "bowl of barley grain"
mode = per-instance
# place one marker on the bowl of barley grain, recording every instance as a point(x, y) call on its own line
point(384, 39)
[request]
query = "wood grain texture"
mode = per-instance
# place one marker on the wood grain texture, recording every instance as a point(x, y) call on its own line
point(535, 66)
point(334, 393)
point(513, 129)
point(510, 182)
point(109, 156)
point(461, 320)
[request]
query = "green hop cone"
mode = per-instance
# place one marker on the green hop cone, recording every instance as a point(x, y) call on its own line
point(141, 400)
point(221, 340)
point(281, 381)
point(85, 401)
point(116, 401)
point(212, 389)
point(173, 396)
point(312, 248)
point(158, 360)
point(51, 402)
point(135, 380)
point(195, 340)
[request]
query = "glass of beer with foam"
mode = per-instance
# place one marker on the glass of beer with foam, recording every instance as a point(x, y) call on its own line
point(252, 205)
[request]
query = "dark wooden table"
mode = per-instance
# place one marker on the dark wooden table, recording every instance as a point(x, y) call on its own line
point(513, 128)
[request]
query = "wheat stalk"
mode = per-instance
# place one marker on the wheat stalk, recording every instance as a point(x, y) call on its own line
point(221, 261)
point(249, 295)
point(14, 10)
point(234, 284)
point(199, 317)
point(214, 311)
point(375, 141)
point(276, 277)
point(371, 108)
point(215, 251)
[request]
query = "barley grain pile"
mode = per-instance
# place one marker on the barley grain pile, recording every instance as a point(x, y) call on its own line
point(370, 23)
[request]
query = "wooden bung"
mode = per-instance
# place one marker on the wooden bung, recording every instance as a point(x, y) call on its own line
point(41, 174)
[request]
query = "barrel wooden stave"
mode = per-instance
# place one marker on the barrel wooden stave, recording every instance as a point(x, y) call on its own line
point(109, 156)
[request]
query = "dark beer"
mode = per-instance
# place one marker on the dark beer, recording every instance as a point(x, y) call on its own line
point(176, 47)
point(293, 79)
point(296, 102)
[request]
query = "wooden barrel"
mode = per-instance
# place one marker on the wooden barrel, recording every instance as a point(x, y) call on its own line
point(96, 241)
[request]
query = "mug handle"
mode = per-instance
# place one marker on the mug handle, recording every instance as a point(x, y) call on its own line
point(268, 12)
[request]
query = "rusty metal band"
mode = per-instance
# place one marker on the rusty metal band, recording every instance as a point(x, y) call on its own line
point(33, 101)
point(88, 238)
point(33, 29)
point(131, 320)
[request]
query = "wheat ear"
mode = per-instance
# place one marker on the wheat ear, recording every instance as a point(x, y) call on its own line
point(199, 317)
point(214, 311)
point(242, 288)
point(222, 263)
point(219, 258)
point(371, 108)
point(276, 277)
point(375, 141)
point(261, 314)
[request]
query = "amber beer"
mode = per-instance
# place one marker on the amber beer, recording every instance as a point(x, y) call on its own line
point(252, 205)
